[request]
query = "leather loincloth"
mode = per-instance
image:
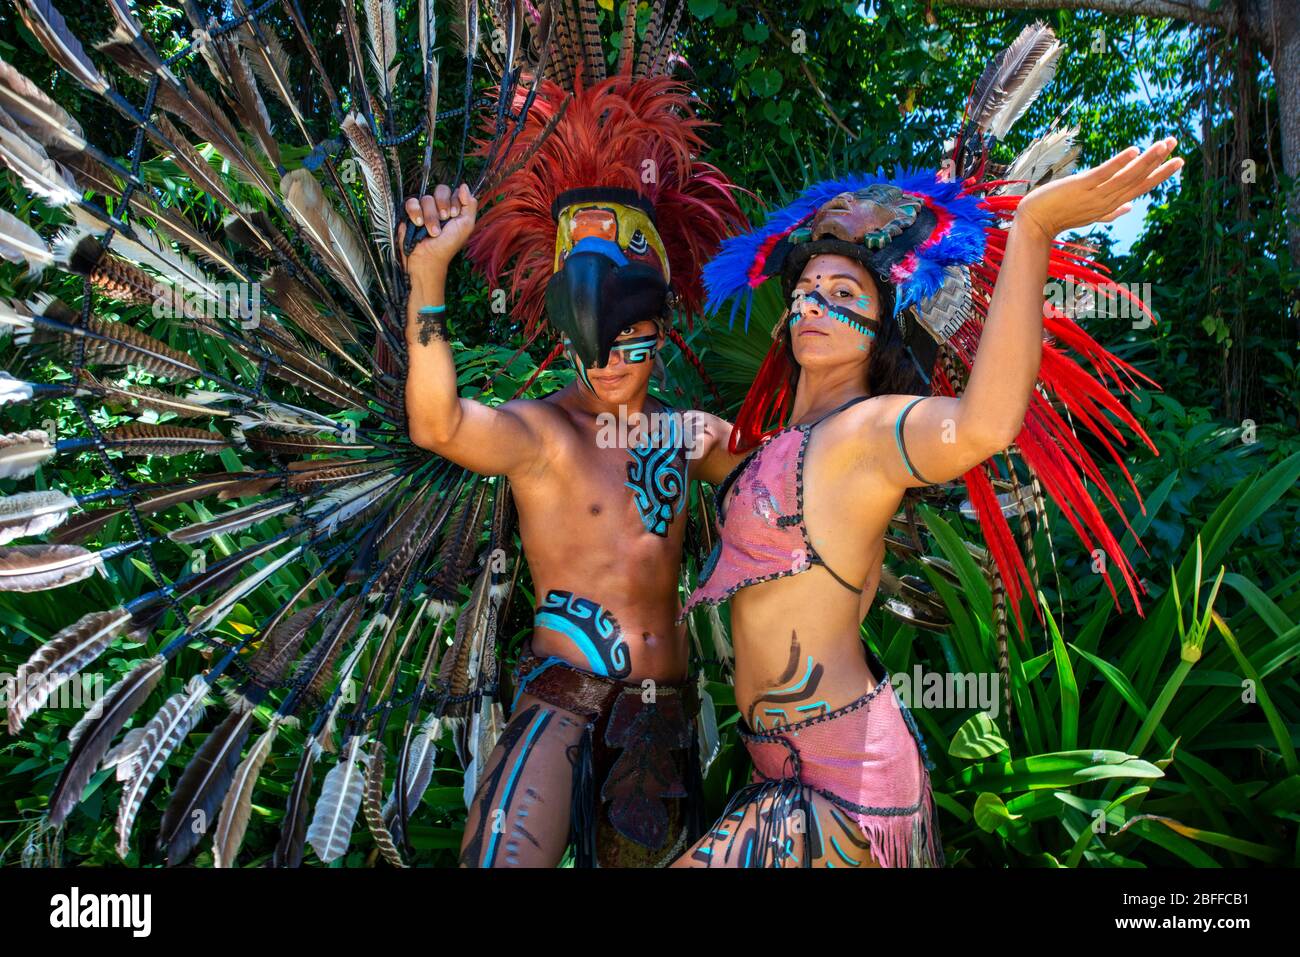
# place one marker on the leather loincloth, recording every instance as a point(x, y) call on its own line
point(636, 777)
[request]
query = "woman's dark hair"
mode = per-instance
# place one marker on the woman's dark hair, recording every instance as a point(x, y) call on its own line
point(890, 369)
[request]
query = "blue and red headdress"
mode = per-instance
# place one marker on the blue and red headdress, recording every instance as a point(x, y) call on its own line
point(936, 240)
point(937, 225)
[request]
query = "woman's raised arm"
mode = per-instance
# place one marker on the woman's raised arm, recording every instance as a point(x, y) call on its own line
point(941, 438)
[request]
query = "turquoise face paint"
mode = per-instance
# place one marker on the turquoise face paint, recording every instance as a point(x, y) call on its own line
point(637, 350)
point(578, 367)
point(860, 323)
point(633, 351)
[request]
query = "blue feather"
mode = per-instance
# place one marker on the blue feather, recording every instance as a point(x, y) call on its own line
point(726, 275)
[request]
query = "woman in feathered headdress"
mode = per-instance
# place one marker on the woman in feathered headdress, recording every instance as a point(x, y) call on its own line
point(847, 414)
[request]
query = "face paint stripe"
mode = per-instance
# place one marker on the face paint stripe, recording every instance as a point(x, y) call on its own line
point(859, 323)
point(637, 350)
point(578, 367)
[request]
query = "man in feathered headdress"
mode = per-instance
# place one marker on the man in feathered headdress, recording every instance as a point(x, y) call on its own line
point(599, 233)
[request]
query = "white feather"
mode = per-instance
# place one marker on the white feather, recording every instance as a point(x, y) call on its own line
point(13, 391)
point(33, 513)
point(19, 243)
point(40, 174)
point(340, 800)
point(1015, 107)
point(1045, 159)
point(216, 613)
point(42, 119)
point(22, 453)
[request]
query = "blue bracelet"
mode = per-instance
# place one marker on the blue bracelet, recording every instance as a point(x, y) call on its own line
point(431, 324)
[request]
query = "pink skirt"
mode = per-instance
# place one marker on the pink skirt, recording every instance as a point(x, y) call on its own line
point(869, 760)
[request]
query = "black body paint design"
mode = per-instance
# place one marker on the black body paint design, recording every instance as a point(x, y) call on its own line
point(784, 704)
point(657, 477)
point(431, 327)
point(524, 727)
point(595, 631)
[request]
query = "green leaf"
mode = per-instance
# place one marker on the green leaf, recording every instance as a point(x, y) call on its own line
point(991, 813)
point(1057, 769)
point(1068, 687)
point(1269, 855)
point(978, 738)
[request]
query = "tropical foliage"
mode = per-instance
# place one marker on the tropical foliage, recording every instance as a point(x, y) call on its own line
point(1136, 740)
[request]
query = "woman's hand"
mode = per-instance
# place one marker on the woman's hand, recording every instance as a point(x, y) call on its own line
point(1098, 195)
point(449, 218)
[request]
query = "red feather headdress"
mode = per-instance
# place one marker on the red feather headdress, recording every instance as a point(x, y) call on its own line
point(634, 133)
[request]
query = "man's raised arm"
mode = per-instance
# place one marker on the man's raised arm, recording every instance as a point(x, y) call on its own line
point(490, 441)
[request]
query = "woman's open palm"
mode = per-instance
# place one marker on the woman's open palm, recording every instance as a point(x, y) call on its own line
point(1101, 194)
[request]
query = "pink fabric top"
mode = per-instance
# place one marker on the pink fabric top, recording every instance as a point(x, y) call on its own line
point(761, 532)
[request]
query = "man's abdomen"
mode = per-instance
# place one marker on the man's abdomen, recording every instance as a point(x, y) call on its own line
point(594, 637)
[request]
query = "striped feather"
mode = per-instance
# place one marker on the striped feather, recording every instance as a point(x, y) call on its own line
point(65, 655)
point(158, 740)
point(92, 735)
point(236, 810)
point(372, 809)
point(29, 514)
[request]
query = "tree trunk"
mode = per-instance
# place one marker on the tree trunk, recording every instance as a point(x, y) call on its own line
point(1283, 36)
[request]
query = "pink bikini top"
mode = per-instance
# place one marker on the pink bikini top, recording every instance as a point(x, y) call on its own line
point(761, 534)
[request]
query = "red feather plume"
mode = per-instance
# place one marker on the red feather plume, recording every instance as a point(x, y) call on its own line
point(1049, 443)
point(641, 134)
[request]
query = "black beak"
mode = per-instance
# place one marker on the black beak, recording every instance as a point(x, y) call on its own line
point(593, 298)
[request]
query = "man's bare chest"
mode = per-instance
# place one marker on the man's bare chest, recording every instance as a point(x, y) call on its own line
point(633, 486)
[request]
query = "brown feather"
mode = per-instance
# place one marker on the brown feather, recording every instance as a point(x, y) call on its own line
point(290, 848)
point(229, 522)
point(83, 526)
point(459, 546)
point(51, 30)
point(110, 343)
point(372, 807)
point(27, 568)
point(237, 808)
point(659, 65)
point(92, 736)
point(158, 740)
point(280, 645)
point(202, 787)
point(140, 438)
point(627, 48)
point(64, 656)
point(593, 48)
point(651, 43)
